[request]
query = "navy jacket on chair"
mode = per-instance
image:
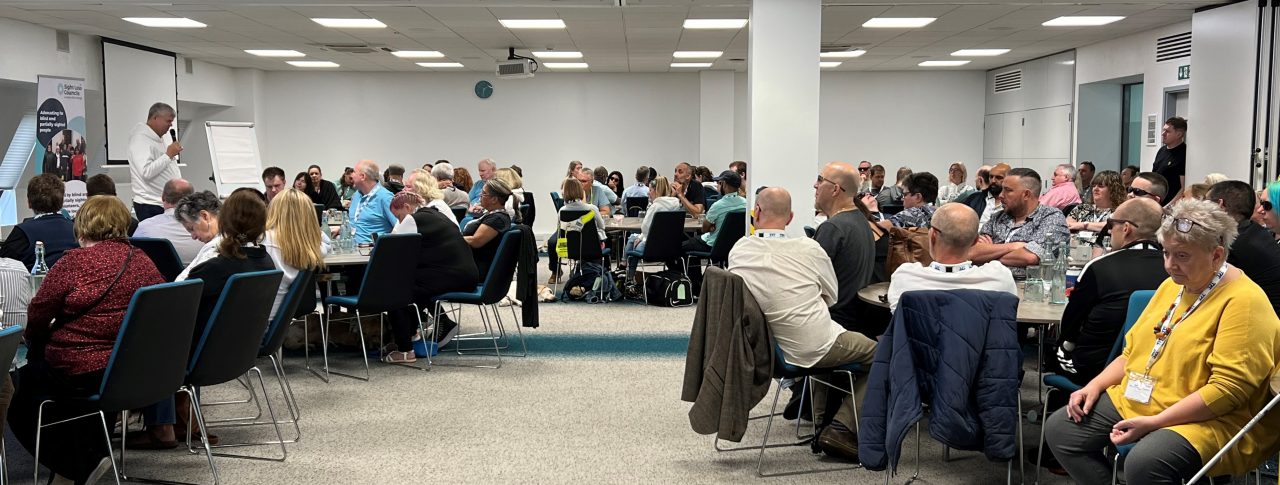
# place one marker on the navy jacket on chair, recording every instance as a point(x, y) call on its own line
point(956, 351)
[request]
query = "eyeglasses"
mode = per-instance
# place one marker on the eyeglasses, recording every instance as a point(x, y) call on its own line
point(864, 169)
point(1138, 192)
point(1266, 205)
point(1122, 221)
point(1183, 225)
point(822, 179)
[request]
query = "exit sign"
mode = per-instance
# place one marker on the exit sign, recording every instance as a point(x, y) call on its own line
point(1184, 72)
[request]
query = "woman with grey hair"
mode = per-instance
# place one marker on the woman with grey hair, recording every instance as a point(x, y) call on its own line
point(1194, 369)
point(443, 172)
point(198, 214)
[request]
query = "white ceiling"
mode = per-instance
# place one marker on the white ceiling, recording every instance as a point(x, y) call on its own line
point(639, 37)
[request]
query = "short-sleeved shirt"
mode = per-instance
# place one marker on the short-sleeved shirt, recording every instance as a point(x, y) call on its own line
point(500, 221)
point(918, 216)
point(694, 193)
point(1043, 230)
point(718, 211)
point(371, 214)
point(1171, 163)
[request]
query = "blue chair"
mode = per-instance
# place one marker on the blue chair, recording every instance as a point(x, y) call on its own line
point(387, 286)
point(10, 337)
point(557, 201)
point(162, 254)
point(148, 361)
point(1137, 303)
point(495, 286)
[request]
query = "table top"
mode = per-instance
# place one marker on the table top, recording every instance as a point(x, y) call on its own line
point(1040, 313)
point(345, 259)
point(635, 223)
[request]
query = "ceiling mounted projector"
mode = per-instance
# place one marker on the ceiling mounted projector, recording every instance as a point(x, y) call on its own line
point(516, 66)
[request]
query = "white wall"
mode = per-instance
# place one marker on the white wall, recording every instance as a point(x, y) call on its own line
point(207, 83)
point(1031, 126)
point(1220, 130)
point(27, 50)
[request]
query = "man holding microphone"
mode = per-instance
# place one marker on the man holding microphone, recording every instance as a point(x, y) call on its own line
point(152, 163)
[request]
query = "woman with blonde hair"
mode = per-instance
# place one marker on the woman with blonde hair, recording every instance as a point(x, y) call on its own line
point(575, 196)
point(425, 185)
point(661, 198)
point(293, 239)
point(516, 183)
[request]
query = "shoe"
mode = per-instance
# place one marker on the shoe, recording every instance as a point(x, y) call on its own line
point(838, 441)
point(103, 468)
point(400, 358)
point(1049, 463)
point(448, 330)
point(793, 410)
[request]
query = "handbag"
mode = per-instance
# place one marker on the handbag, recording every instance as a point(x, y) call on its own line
point(907, 245)
point(35, 350)
point(668, 288)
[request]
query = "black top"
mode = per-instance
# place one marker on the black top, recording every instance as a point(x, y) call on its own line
point(215, 273)
point(1256, 254)
point(445, 263)
point(695, 195)
point(53, 229)
point(484, 255)
point(847, 239)
point(1172, 164)
point(328, 196)
point(1099, 303)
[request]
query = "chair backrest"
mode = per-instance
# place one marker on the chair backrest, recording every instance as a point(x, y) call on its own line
point(503, 269)
point(583, 245)
point(633, 205)
point(809, 231)
point(162, 254)
point(389, 276)
point(10, 337)
point(666, 233)
point(320, 214)
point(459, 213)
point(1066, 210)
point(149, 360)
point(557, 201)
point(233, 335)
point(529, 209)
point(303, 282)
point(731, 229)
point(1138, 301)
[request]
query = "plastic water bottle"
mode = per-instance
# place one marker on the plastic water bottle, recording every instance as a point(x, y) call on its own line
point(40, 268)
point(346, 236)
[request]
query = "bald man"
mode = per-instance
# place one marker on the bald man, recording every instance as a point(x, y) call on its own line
point(793, 282)
point(847, 240)
point(167, 227)
point(953, 230)
point(987, 201)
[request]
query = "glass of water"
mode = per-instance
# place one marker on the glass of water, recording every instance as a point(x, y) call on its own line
point(1034, 290)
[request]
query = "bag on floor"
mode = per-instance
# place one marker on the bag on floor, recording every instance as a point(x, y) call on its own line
point(591, 284)
point(668, 288)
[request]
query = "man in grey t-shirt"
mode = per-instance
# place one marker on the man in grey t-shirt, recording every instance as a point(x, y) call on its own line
point(847, 239)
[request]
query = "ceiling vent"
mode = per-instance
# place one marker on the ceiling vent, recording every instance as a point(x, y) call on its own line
point(836, 47)
point(1007, 81)
point(353, 48)
point(1173, 47)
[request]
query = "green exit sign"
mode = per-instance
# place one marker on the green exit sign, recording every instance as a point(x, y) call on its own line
point(1184, 72)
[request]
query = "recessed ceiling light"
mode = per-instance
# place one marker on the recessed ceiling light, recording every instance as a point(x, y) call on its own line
point(1082, 21)
point(566, 65)
point(313, 64)
point(439, 64)
point(942, 63)
point(898, 22)
point(843, 54)
point(533, 24)
point(557, 54)
point(691, 64)
point(979, 52)
point(830, 64)
point(1069, 63)
point(275, 53)
point(696, 54)
point(170, 22)
point(715, 23)
point(351, 23)
point(418, 54)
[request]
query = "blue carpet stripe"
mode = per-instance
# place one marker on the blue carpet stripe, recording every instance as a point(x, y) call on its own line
point(652, 345)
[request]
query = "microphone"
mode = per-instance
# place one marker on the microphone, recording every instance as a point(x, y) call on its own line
point(173, 135)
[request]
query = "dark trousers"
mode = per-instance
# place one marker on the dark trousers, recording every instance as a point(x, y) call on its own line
point(695, 244)
point(72, 449)
point(145, 211)
point(1163, 456)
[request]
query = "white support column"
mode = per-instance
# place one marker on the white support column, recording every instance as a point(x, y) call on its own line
point(715, 127)
point(783, 83)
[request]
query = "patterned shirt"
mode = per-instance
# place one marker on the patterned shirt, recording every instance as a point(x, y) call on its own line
point(1043, 230)
point(1090, 213)
point(918, 216)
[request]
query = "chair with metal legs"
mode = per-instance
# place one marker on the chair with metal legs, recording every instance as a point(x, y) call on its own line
point(148, 361)
point(666, 233)
point(10, 337)
point(583, 242)
point(387, 286)
point(495, 286)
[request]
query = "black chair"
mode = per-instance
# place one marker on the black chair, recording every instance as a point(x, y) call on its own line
point(387, 286)
point(162, 254)
point(1066, 211)
point(459, 213)
point(487, 295)
point(320, 214)
point(529, 209)
point(583, 241)
point(666, 233)
point(149, 359)
point(733, 227)
point(557, 201)
point(809, 232)
point(633, 205)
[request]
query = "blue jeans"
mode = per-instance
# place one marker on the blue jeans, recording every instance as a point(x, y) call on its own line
point(633, 243)
point(163, 412)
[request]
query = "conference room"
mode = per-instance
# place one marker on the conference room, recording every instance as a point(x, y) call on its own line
point(356, 218)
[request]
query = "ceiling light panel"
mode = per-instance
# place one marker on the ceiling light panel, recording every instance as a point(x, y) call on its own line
point(166, 22)
point(418, 54)
point(532, 23)
point(843, 54)
point(942, 63)
point(979, 52)
point(313, 64)
point(830, 64)
point(691, 64)
point(275, 53)
point(351, 23)
point(566, 65)
point(715, 23)
point(898, 22)
point(1082, 21)
point(557, 54)
point(439, 64)
point(697, 54)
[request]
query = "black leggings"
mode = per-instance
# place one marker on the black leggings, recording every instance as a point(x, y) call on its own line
point(72, 449)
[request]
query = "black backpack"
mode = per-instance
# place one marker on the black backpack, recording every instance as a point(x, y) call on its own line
point(668, 288)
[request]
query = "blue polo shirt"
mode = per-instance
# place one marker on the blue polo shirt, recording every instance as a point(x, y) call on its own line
point(371, 213)
point(475, 191)
point(720, 209)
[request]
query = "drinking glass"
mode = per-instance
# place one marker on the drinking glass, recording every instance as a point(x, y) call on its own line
point(1034, 290)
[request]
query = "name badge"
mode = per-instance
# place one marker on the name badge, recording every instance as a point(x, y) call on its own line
point(1139, 388)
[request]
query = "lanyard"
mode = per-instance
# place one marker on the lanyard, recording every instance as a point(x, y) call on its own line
point(951, 268)
point(364, 201)
point(1167, 325)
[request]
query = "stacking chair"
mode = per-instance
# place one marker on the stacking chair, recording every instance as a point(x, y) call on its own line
point(810, 232)
point(495, 286)
point(583, 243)
point(633, 205)
point(162, 253)
point(459, 213)
point(147, 362)
point(10, 337)
point(387, 286)
point(666, 232)
point(557, 201)
point(1055, 382)
point(735, 226)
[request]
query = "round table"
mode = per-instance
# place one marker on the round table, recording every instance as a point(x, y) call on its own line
point(1039, 313)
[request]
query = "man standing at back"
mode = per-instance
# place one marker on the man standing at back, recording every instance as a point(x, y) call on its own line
point(1254, 251)
point(151, 161)
point(371, 204)
point(793, 282)
point(167, 227)
point(846, 238)
point(1171, 159)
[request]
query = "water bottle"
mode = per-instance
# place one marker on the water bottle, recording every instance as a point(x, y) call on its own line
point(346, 237)
point(40, 268)
point(1058, 283)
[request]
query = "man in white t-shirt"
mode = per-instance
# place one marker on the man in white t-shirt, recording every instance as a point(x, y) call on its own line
point(793, 282)
point(952, 233)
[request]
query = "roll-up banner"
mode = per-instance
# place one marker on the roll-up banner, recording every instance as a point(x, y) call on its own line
point(60, 129)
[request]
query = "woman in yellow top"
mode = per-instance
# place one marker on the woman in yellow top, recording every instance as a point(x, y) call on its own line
point(1194, 368)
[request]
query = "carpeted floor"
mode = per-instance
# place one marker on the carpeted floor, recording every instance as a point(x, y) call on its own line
point(596, 401)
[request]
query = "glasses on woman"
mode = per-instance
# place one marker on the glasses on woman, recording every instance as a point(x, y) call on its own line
point(1266, 205)
point(1184, 225)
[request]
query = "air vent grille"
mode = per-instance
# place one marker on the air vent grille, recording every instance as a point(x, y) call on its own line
point(63, 40)
point(1173, 47)
point(1008, 81)
point(353, 48)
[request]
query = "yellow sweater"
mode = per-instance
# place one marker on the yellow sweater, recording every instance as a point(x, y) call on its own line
point(1225, 351)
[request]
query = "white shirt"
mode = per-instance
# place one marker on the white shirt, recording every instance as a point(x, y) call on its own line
point(166, 227)
point(15, 287)
point(149, 167)
point(949, 192)
point(290, 272)
point(793, 282)
point(207, 252)
point(657, 205)
point(406, 226)
point(992, 207)
point(992, 276)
